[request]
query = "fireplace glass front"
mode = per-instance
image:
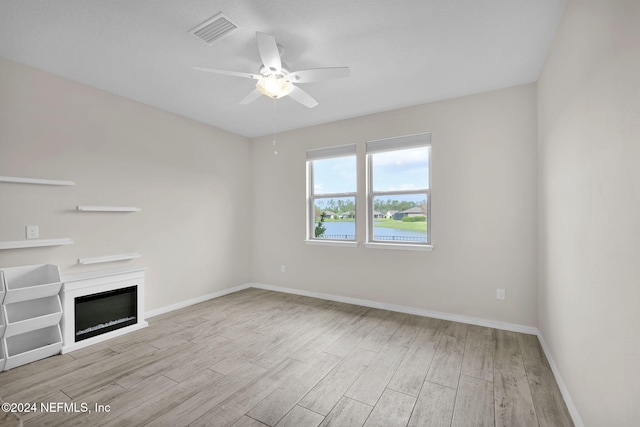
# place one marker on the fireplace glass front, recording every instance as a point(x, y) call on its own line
point(105, 312)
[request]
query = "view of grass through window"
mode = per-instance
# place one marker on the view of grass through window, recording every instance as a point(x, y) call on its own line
point(395, 219)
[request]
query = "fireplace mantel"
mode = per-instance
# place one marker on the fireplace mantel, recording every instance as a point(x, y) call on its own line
point(83, 284)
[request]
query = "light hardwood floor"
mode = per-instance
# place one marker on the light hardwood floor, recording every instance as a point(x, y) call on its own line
point(256, 358)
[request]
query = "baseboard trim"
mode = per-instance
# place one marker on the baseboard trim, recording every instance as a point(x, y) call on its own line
point(571, 407)
point(187, 303)
point(404, 309)
point(573, 411)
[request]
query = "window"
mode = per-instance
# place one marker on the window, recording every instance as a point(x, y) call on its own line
point(332, 189)
point(397, 196)
point(399, 190)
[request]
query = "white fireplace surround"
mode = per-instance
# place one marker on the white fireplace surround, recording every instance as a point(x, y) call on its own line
point(83, 284)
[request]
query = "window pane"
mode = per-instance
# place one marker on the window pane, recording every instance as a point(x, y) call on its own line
point(401, 169)
point(335, 175)
point(339, 218)
point(400, 218)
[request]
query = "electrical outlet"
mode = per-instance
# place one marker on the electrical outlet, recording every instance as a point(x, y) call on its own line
point(282, 269)
point(32, 232)
point(501, 294)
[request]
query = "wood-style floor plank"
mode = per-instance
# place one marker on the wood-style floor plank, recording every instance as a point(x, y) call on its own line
point(275, 406)
point(300, 416)
point(413, 369)
point(508, 356)
point(393, 409)
point(551, 409)
point(434, 406)
point(447, 362)
point(474, 403)
point(258, 358)
point(478, 356)
point(514, 405)
point(347, 412)
point(330, 390)
point(371, 384)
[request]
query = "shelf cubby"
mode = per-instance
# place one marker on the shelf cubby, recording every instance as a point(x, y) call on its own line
point(26, 316)
point(31, 282)
point(31, 346)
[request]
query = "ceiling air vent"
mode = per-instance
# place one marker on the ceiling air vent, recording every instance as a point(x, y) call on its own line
point(214, 28)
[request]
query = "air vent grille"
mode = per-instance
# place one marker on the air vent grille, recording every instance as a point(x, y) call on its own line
point(214, 28)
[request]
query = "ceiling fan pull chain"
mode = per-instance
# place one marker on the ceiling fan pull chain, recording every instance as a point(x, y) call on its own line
point(273, 134)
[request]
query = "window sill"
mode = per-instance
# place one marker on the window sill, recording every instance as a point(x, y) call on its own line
point(402, 247)
point(348, 244)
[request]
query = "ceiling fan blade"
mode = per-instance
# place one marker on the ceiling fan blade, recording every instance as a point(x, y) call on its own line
point(303, 97)
point(253, 95)
point(229, 73)
point(269, 53)
point(318, 74)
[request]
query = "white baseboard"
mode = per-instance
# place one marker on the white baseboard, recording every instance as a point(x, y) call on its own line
point(571, 407)
point(187, 303)
point(404, 309)
point(514, 327)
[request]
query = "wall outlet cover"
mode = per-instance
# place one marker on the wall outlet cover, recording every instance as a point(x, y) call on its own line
point(32, 232)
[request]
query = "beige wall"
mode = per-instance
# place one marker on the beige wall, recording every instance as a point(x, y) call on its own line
point(484, 211)
point(589, 131)
point(191, 181)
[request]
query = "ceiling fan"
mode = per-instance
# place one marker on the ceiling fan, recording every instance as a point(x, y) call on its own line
point(274, 78)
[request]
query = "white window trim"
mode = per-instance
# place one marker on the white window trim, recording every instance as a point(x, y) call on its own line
point(320, 154)
point(400, 246)
point(395, 144)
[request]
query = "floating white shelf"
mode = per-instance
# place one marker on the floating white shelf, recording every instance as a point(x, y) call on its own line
point(108, 258)
point(19, 244)
point(38, 181)
point(108, 209)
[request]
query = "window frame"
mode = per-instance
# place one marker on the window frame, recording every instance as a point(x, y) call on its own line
point(348, 150)
point(389, 145)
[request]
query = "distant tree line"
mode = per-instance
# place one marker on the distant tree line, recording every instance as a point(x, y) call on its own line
point(341, 206)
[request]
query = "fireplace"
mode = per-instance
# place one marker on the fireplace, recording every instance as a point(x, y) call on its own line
point(105, 312)
point(100, 305)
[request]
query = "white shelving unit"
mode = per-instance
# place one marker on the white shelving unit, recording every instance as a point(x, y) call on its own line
point(30, 313)
point(108, 209)
point(35, 243)
point(37, 181)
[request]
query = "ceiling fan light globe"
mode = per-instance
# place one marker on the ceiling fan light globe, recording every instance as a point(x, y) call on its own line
point(274, 87)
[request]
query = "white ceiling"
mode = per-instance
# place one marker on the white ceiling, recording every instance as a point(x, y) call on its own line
point(401, 52)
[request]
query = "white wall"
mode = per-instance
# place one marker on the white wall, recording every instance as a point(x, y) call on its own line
point(191, 181)
point(589, 133)
point(484, 211)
